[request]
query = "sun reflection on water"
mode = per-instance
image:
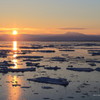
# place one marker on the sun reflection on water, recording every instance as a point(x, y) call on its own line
point(15, 62)
point(14, 88)
point(15, 48)
point(15, 55)
point(14, 91)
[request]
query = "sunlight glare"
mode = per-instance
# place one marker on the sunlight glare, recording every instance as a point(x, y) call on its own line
point(14, 32)
point(14, 45)
point(15, 62)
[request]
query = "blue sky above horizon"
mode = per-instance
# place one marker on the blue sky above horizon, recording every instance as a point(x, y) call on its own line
point(50, 16)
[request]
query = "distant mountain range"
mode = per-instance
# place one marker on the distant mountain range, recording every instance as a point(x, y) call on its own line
point(70, 36)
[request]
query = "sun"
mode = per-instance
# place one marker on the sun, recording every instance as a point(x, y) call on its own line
point(14, 32)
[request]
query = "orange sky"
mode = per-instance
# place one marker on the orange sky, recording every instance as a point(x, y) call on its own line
point(50, 16)
point(48, 30)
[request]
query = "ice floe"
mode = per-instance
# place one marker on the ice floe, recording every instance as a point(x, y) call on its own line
point(6, 70)
point(36, 57)
point(81, 69)
point(58, 59)
point(52, 68)
point(59, 81)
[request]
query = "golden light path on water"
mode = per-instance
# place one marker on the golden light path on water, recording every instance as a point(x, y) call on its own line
point(15, 48)
point(14, 91)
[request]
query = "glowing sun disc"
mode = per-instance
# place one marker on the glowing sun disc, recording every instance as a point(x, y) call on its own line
point(14, 32)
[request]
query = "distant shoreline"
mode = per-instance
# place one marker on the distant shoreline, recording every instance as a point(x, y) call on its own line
point(48, 41)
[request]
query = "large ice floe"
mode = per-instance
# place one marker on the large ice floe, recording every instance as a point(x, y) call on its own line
point(45, 51)
point(61, 59)
point(6, 70)
point(52, 68)
point(81, 69)
point(71, 50)
point(94, 52)
point(36, 57)
point(6, 63)
point(31, 64)
point(98, 69)
point(59, 81)
point(4, 53)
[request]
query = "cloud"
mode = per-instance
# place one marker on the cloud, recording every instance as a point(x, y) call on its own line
point(28, 30)
point(33, 30)
point(2, 31)
point(72, 28)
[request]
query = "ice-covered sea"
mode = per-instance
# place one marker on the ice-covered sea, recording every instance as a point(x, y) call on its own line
point(77, 62)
